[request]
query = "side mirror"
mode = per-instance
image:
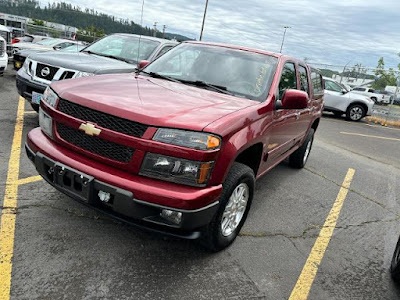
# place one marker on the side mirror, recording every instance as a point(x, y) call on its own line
point(344, 91)
point(57, 48)
point(294, 99)
point(143, 64)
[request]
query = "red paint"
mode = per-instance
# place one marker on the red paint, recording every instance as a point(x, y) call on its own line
point(241, 123)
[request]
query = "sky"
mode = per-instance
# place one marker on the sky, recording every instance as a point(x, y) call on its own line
point(335, 32)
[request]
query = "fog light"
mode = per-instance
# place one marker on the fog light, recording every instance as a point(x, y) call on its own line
point(104, 196)
point(172, 216)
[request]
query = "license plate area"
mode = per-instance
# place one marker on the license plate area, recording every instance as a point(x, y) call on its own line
point(75, 182)
point(36, 97)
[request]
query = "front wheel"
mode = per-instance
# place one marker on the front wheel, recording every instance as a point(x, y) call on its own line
point(299, 157)
point(237, 194)
point(355, 112)
point(395, 265)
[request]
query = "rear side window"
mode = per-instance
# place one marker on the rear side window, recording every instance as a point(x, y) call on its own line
point(359, 89)
point(317, 85)
point(288, 79)
point(303, 79)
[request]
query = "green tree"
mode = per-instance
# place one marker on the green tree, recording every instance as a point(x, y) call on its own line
point(384, 77)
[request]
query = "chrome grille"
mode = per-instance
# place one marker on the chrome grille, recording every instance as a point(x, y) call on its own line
point(45, 71)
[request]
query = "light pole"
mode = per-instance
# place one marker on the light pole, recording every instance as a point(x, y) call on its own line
point(204, 19)
point(283, 38)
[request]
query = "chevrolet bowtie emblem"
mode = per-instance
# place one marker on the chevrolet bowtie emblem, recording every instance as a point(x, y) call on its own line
point(89, 129)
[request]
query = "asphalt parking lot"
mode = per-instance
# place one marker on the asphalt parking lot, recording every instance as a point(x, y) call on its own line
point(324, 232)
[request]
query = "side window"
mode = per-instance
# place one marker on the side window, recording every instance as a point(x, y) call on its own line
point(332, 86)
point(316, 80)
point(303, 79)
point(288, 79)
point(163, 50)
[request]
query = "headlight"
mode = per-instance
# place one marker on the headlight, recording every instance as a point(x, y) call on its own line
point(175, 169)
point(26, 66)
point(46, 123)
point(50, 97)
point(83, 74)
point(189, 139)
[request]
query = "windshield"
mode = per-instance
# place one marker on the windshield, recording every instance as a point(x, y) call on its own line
point(48, 42)
point(125, 47)
point(242, 73)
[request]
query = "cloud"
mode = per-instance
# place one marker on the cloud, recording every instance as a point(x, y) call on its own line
point(329, 31)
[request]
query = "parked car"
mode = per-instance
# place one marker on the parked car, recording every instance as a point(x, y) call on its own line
point(28, 38)
point(3, 55)
point(395, 264)
point(117, 53)
point(340, 101)
point(379, 97)
point(178, 146)
point(45, 44)
point(20, 56)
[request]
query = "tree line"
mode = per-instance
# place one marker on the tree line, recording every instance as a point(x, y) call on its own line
point(82, 18)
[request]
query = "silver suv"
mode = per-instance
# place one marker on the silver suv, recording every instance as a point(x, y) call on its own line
point(339, 100)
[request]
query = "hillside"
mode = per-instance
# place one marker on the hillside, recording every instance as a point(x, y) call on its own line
point(84, 19)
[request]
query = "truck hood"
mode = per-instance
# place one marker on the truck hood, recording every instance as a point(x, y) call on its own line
point(151, 101)
point(22, 46)
point(84, 62)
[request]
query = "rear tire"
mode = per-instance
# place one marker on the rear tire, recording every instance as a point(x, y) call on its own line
point(395, 265)
point(235, 202)
point(355, 112)
point(298, 158)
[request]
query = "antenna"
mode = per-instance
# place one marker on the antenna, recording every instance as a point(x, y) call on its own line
point(140, 36)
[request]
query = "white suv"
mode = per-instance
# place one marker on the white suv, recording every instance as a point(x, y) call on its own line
point(339, 100)
point(3, 56)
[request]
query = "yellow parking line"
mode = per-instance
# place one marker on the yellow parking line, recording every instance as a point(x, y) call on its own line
point(307, 276)
point(29, 179)
point(28, 112)
point(371, 136)
point(9, 207)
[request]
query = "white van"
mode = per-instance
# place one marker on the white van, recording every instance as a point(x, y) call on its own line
point(3, 55)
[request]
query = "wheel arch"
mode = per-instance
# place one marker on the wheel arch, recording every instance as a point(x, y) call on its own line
point(251, 157)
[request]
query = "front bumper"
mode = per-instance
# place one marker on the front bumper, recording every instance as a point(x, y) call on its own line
point(3, 63)
point(133, 198)
point(26, 86)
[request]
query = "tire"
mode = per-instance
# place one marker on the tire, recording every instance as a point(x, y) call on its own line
point(298, 158)
point(218, 235)
point(35, 106)
point(355, 112)
point(395, 265)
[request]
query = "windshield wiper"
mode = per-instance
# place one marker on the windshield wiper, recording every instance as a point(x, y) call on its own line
point(157, 75)
point(199, 83)
point(111, 56)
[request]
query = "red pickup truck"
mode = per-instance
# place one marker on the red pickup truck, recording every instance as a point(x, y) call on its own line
point(177, 146)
